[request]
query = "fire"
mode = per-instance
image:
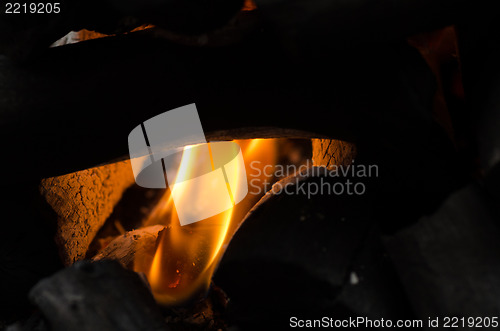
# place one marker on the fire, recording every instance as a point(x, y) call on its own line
point(187, 256)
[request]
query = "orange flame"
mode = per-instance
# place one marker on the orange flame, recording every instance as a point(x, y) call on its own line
point(187, 256)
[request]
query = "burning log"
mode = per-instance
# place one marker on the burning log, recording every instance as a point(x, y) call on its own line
point(97, 296)
point(82, 201)
point(125, 248)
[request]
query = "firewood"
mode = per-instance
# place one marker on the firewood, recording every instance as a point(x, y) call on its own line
point(97, 296)
point(125, 248)
point(82, 201)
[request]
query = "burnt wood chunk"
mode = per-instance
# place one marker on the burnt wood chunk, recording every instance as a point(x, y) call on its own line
point(82, 202)
point(97, 296)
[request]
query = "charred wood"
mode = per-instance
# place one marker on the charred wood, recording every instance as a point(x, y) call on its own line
point(82, 202)
point(329, 152)
point(245, 86)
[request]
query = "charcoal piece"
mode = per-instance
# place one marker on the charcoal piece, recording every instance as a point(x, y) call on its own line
point(97, 296)
point(479, 46)
point(449, 261)
point(28, 252)
point(491, 184)
point(35, 322)
point(292, 255)
point(312, 28)
point(373, 288)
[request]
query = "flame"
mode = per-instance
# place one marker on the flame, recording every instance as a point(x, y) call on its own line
point(187, 256)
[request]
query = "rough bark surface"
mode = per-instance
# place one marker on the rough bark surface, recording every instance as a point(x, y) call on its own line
point(328, 152)
point(83, 201)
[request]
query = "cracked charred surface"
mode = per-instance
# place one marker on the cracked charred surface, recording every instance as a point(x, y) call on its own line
point(329, 152)
point(83, 201)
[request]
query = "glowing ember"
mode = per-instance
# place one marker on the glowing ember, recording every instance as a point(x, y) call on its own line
point(187, 256)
